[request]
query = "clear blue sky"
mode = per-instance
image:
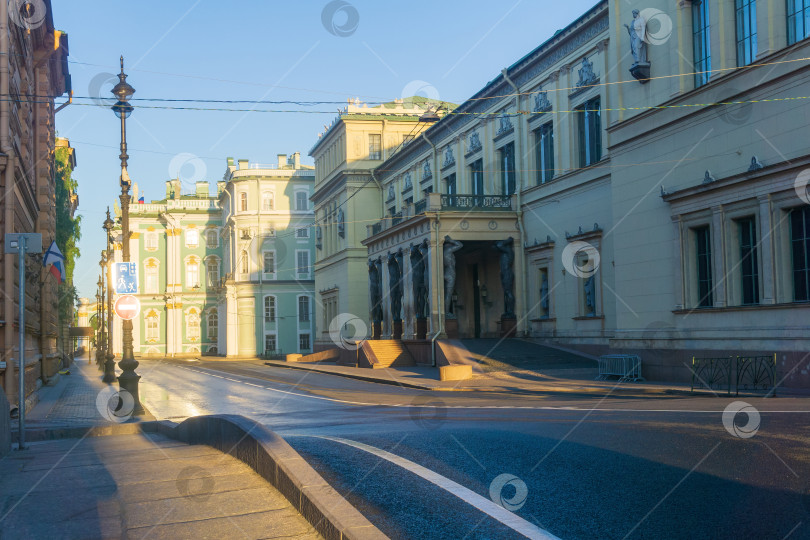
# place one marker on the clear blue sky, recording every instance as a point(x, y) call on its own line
point(272, 50)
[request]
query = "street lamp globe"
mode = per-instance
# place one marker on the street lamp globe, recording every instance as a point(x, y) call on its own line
point(123, 91)
point(108, 223)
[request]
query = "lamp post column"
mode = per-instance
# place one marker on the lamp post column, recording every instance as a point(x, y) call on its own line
point(102, 339)
point(128, 380)
point(109, 363)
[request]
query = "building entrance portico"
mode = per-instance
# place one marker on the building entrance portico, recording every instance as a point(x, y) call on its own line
point(452, 265)
point(477, 300)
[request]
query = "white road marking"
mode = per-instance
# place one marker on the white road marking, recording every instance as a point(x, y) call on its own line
point(496, 511)
point(204, 371)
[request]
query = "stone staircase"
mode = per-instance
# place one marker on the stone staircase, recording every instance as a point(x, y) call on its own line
point(383, 353)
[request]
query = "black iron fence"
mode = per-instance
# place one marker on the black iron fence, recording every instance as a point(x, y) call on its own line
point(275, 354)
point(746, 373)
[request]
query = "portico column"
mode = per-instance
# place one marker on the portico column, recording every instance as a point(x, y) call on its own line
point(678, 247)
point(718, 256)
point(766, 250)
point(231, 325)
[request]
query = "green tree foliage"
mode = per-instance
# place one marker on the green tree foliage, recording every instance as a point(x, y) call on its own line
point(68, 231)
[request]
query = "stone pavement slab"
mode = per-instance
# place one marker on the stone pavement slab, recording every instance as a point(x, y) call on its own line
point(72, 400)
point(137, 486)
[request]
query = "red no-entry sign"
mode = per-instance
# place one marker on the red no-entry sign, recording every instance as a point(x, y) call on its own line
point(127, 307)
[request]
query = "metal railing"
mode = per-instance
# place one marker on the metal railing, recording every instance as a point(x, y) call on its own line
point(748, 373)
point(476, 202)
point(274, 354)
point(419, 207)
point(627, 367)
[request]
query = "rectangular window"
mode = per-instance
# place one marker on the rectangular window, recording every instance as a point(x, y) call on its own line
point(302, 232)
point(703, 259)
point(544, 152)
point(375, 146)
point(544, 294)
point(213, 326)
point(303, 309)
point(800, 249)
point(303, 263)
point(303, 342)
point(749, 265)
point(477, 177)
point(702, 58)
point(151, 241)
point(152, 328)
point(589, 118)
point(746, 14)
point(211, 238)
point(151, 284)
point(450, 183)
point(507, 161)
point(192, 237)
point(269, 343)
point(270, 309)
point(269, 262)
point(213, 273)
point(301, 202)
point(267, 200)
point(192, 274)
point(193, 327)
point(798, 20)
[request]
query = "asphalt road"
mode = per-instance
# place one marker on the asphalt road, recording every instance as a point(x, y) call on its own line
point(423, 464)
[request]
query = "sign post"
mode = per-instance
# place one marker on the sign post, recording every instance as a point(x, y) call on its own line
point(22, 243)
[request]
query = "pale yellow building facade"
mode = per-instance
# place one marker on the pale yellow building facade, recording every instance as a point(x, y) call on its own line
point(654, 190)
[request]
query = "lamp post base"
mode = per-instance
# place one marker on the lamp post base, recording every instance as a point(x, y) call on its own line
point(109, 370)
point(129, 381)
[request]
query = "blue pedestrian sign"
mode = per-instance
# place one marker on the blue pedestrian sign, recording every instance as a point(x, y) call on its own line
point(126, 278)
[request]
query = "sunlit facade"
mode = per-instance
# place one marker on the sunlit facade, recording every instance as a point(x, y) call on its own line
point(642, 220)
point(226, 274)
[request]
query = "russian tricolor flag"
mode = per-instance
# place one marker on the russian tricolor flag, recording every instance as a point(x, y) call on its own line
point(55, 258)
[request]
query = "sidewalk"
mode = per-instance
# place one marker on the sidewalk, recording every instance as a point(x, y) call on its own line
point(516, 382)
point(85, 476)
point(134, 486)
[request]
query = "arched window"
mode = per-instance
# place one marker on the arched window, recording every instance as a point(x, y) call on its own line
point(151, 276)
point(211, 238)
point(152, 326)
point(270, 309)
point(213, 325)
point(192, 272)
point(243, 202)
point(212, 271)
point(244, 262)
point(193, 325)
point(268, 200)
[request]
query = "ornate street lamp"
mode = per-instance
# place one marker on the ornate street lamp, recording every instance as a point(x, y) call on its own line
point(98, 319)
point(109, 364)
point(128, 380)
point(102, 340)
